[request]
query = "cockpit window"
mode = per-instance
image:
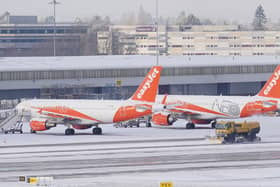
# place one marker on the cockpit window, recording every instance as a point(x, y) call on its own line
point(220, 126)
point(227, 125)
point(223, 126)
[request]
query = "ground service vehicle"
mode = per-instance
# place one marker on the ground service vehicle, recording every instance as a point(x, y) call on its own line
point(135, 122)
point(236, 132)
point(130, 123)
point(16, 128)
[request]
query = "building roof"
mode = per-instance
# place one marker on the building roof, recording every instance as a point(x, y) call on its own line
point(43, 25)
point(126, 62)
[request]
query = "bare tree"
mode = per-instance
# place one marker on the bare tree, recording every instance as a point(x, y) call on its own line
point(193, 20)
point(128, 19)
point(144, 17)
point(182, 18)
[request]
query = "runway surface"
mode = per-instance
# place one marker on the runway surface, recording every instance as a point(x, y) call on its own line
point(141, 157)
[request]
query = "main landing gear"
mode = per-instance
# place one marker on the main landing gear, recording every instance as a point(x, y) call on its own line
point(97, 131)
point(190, 125)
point(32, 131)
point(69, 131)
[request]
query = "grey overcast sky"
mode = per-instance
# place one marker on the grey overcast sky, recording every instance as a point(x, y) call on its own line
point(68, 10)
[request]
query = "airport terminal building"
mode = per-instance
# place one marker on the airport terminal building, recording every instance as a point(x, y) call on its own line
point(25, 36)
point(116, 77)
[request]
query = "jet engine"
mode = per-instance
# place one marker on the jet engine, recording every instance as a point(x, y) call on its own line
point(259, 107)
point(40, 124)
point(163, 119)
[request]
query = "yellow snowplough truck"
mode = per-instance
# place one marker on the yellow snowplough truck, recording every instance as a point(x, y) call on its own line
point(236, 132)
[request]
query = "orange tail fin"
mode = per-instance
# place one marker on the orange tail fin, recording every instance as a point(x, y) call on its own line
point(148, 89)
point(272, 86)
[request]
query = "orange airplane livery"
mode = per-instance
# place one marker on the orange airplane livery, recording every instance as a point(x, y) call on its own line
point(84, 114)
point(198, 109)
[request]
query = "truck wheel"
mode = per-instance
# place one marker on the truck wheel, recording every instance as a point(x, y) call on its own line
point(149, 124)
point(251, 136)
point(231, 138)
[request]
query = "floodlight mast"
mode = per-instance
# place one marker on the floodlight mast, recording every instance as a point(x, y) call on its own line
point(54, 3)
point(157, 35)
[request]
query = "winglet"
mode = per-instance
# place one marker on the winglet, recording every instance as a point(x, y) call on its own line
point(272, 86)
point(148, 89)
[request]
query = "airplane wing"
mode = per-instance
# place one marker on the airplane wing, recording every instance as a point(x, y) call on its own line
point(143, 107)
point(188, 109)
point(64, 113)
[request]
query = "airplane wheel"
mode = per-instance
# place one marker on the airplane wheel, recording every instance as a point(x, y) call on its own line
point(193, 126)
point(190, 126)
point(97, 131)
point(32, 131)
point(69, 131)
point(149, 124)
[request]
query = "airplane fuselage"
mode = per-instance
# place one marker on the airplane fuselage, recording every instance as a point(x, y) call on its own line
point(84, 111)
point(218, 107)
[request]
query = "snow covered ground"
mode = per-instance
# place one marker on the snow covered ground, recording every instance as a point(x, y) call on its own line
point(141, 157)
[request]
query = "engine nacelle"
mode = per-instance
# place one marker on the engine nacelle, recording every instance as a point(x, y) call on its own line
point(259, 107)
point(40, 124)
point(80, 127)
point(163, 119)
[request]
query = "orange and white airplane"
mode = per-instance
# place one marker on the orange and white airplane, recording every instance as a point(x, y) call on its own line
point(207, 109)
point(83, 114)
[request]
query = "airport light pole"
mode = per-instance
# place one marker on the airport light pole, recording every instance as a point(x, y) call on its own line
point(54, 3)
point(157, 35)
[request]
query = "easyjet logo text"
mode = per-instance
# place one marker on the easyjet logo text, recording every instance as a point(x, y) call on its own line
point(148, 83)
point(272, 83)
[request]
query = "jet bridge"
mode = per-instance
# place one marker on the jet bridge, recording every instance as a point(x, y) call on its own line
point(10, 119)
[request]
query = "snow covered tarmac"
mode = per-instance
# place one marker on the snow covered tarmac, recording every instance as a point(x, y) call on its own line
point(141, 157)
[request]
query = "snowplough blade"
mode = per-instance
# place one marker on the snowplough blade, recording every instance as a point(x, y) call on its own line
point(216, 140)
